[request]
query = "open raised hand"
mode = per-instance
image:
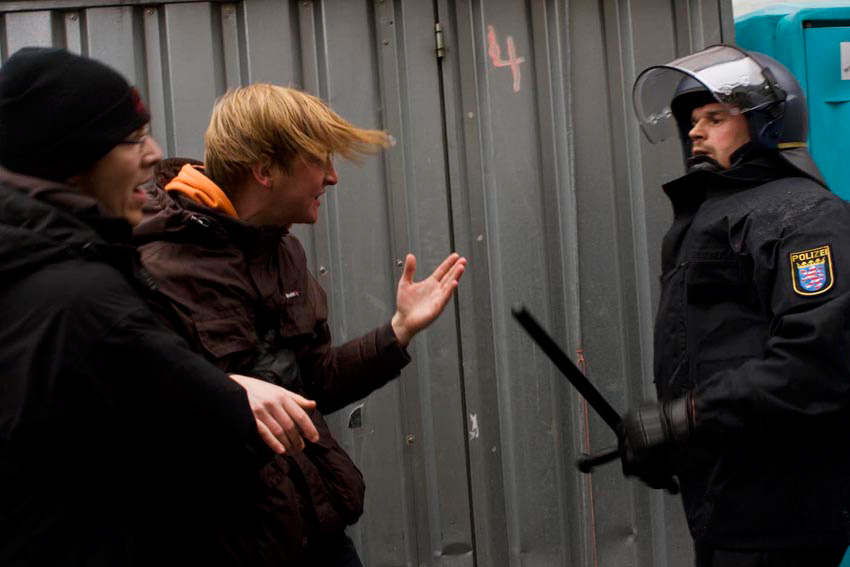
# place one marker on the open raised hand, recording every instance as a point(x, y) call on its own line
point(418, 304)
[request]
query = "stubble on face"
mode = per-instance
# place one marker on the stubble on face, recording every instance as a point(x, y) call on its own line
point(717, 132)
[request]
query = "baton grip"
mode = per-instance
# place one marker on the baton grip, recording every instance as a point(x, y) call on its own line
point(586, 463)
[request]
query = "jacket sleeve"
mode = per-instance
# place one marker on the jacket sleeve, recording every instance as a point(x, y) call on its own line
point(338, 376)
point(208, 295)
point(174, 402)
point(802, 380)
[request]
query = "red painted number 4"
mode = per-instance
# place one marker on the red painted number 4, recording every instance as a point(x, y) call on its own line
point(495, 53)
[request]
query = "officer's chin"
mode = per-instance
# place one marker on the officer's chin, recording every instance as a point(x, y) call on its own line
point(702, 162)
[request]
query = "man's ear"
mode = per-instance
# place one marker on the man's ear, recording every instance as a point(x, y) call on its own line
point(262, 171)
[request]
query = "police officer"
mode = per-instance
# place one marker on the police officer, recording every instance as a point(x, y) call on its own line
point(753, 326)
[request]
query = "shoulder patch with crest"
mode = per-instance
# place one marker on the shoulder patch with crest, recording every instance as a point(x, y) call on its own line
point(811, 270)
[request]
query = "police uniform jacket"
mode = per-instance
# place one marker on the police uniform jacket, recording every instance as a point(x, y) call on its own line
point(754, 319)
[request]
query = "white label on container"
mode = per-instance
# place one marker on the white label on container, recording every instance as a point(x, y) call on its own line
point(845, 60)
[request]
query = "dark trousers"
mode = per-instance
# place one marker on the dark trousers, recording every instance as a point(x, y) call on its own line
point(336, 553)
point(707, 557)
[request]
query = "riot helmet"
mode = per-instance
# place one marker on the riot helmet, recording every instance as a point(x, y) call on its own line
point(759, 87)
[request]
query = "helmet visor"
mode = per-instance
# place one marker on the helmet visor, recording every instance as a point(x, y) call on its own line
point(729, 74)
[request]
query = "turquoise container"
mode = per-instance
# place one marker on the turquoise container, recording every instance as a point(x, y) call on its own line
point(813, 41)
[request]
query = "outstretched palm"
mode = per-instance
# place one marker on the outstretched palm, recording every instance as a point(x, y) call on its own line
point(419, 303)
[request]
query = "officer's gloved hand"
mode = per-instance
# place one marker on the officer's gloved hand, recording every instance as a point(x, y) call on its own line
point(646, 435)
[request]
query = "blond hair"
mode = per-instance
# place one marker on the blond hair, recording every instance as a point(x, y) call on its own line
point(283, 124)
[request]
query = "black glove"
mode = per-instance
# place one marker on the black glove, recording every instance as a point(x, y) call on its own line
point(646, 435)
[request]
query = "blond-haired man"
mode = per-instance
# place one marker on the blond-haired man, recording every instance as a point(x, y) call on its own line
point(236, 285)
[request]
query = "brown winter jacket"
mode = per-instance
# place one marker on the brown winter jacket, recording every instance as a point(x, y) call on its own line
point(242, 296)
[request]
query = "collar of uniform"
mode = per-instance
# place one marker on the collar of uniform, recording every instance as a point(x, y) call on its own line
point(752, 168)
point(687, 192)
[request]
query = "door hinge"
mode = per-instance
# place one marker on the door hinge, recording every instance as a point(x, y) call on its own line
point(438, 32)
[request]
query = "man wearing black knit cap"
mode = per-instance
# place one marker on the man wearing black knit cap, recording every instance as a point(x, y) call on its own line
point(118, 445)
point(52, 126)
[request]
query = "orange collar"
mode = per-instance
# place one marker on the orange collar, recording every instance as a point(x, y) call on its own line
point(201, 189)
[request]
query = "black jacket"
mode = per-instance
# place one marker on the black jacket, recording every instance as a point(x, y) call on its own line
point(754, 318)
point(106, 418)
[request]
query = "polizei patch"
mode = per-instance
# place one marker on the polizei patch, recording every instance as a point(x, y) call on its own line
point(811, 270)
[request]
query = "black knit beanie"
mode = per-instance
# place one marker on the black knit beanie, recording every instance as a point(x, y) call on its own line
point(60, 112)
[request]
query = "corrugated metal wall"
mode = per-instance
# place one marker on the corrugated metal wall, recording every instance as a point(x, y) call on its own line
point(519, 149)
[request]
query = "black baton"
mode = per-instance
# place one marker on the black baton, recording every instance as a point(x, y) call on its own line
point(577, 378)
point(588, 391)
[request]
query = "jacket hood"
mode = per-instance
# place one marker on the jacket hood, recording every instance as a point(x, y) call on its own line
point(176, 214)
point(43, 221)
point(192, 183)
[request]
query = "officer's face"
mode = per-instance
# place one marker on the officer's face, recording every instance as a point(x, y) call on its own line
point(717, 133)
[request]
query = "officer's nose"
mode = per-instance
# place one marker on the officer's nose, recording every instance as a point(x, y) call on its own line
point(697, 132)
